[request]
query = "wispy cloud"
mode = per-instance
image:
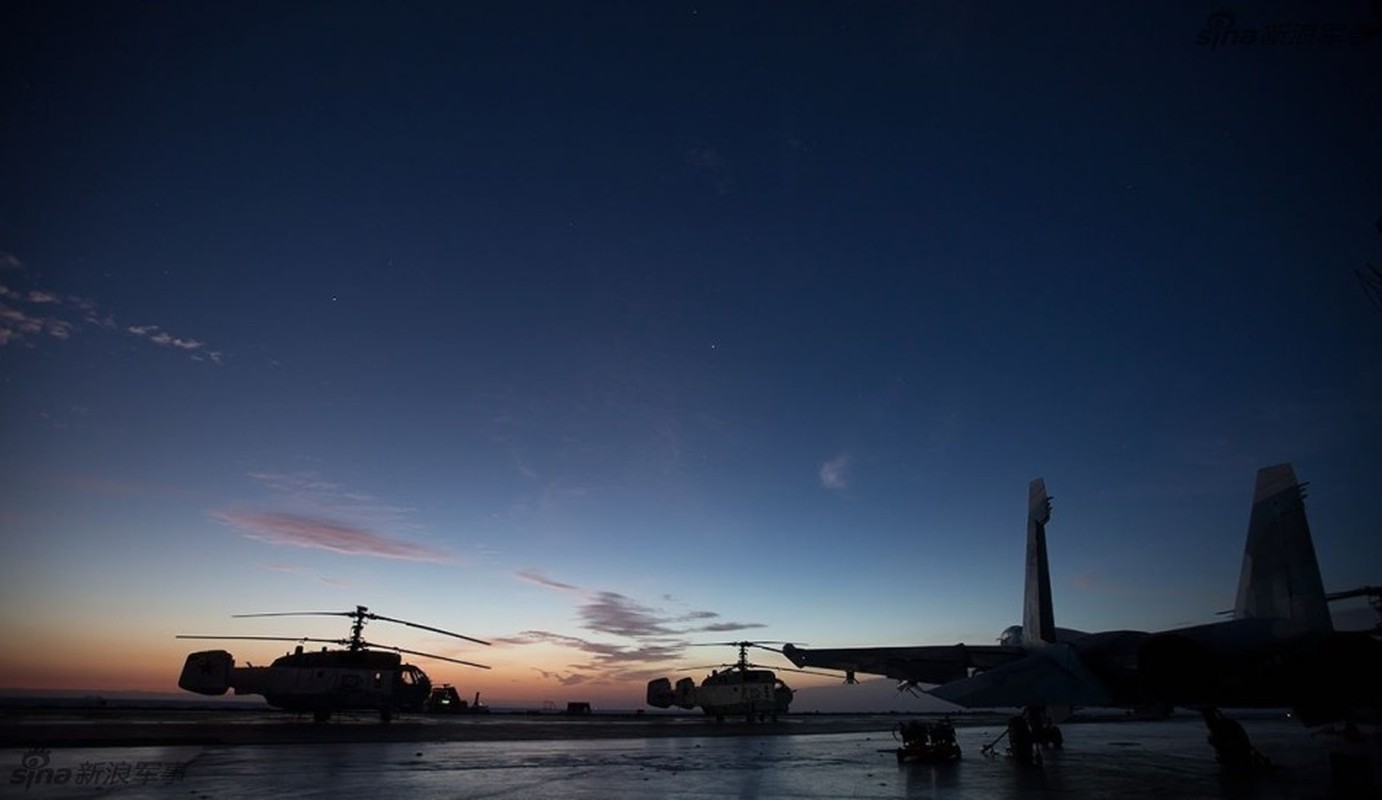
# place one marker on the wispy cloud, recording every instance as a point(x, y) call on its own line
point(648, 637)
point(533, 576)
point(613, 613)
point(834, 473)
point(35, 313)
point(604, 661)
point(16, 325)
point(162, 338)
point(618, 615)
point(311, 490)
point(728, 627)
point(325, 516)
point(570, 679)
point(294, 530)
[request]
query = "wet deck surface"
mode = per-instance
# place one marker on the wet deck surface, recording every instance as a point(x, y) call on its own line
point(147, 729)
point(517, 757)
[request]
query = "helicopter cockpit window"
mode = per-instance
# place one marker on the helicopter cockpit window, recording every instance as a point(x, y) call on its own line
point(407, 677)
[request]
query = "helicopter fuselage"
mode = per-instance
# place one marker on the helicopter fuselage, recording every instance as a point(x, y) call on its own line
point(363, 676)
point(734, 692)
point(746, 693)
point(318, 682)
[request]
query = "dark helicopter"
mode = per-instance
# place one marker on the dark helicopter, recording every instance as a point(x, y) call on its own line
point(325, 681)
point(741, 689)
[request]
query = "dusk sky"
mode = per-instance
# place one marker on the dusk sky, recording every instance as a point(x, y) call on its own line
point(601, 329)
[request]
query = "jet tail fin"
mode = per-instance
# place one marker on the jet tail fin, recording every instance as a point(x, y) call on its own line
point(1281, 576)
point(1038, 623)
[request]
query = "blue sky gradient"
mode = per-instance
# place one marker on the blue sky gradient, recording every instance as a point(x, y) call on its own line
point(602, 329)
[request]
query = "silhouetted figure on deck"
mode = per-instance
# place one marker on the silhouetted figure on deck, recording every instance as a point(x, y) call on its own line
point(1043, 732)
point(943, 732)
point(1230, 742)
point(928, 743)
point(915, 734)
point(1020, 743)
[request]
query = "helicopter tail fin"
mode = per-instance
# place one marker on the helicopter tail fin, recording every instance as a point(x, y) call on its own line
point(686, 693)
point(207, 672)
point(660, 694)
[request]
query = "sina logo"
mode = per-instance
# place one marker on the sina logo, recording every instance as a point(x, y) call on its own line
point(34, 769)
point(1221, 29)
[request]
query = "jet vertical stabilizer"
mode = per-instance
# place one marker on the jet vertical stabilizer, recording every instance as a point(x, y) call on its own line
point(1281, 576)
point(1038, 623)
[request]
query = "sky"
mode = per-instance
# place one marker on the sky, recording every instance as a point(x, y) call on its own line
point(604, 331)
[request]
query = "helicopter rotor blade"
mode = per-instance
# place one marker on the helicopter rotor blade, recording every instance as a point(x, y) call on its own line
point(266, 638)
point(427, 628)
point(427, 655)
point(751, 665)
point(762, 646)
point(805, 672)
point(298, 614)
point(361, 613)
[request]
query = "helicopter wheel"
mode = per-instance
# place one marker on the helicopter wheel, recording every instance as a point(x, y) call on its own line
point(321, 716)
point(385, 716)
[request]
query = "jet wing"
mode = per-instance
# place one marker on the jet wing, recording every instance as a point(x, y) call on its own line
point(928, 664)
point(1047, 676)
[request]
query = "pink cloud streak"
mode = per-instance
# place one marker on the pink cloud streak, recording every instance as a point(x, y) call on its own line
point(294, 530)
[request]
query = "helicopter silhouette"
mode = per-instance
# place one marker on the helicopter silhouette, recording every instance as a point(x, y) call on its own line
point(359, 677)
point(742, 689)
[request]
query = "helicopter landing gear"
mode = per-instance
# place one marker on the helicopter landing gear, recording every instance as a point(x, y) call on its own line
point(385, 716)
point(321, 715)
